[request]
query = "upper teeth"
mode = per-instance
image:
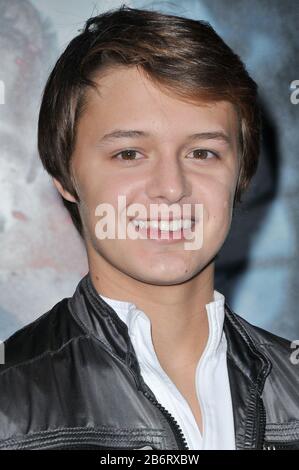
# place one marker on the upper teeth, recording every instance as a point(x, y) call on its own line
point(165, 225)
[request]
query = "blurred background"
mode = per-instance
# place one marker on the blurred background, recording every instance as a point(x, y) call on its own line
point(41, 255)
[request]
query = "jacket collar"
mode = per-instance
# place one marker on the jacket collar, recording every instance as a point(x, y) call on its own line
point(102, 322)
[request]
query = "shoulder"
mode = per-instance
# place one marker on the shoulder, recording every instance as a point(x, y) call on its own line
point(262, 337)
point(49, 333)
point(280, 392)
point(279, 350)
point(37, 362)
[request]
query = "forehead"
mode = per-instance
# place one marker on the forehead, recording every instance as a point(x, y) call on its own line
point(127, 95)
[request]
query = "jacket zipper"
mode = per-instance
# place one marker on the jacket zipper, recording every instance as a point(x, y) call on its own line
point(179, 435)
point(261, 431)
point(147, 392)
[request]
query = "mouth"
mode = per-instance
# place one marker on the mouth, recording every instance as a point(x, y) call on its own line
point(174, 230)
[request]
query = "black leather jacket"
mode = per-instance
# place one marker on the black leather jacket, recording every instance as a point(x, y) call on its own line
point(71, 379)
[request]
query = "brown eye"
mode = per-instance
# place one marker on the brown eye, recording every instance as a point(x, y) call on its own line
point(127, 154)
point(203, 154)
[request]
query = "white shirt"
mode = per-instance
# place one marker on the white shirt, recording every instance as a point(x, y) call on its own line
point(212, 383)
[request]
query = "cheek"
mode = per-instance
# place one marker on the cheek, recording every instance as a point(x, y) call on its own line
point(106, 193)
point(218, 207)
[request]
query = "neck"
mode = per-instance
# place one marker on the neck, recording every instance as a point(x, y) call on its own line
point(177, 312)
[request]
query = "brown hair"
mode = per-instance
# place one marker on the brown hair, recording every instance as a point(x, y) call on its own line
point(185, 56)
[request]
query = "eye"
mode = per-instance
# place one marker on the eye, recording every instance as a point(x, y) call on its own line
point(128, 153)
point(204, 154)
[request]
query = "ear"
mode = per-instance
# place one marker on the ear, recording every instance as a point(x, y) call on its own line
point(64, 193)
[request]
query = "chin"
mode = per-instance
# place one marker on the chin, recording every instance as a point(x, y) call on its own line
point(168, 278)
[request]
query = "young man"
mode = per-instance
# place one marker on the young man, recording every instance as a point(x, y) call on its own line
point(149, 110)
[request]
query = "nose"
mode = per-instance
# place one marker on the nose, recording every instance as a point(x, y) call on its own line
point(168, 180)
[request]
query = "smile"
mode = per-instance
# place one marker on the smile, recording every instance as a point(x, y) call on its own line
point(164, 225)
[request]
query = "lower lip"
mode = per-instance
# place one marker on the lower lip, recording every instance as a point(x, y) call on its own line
point(168, 237)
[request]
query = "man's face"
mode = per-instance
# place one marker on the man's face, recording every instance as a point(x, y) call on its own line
point(165, 166)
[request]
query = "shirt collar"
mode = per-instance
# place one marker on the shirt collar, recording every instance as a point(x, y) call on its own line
point(131, 315)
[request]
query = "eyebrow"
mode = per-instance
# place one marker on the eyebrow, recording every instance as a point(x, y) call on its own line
point(132, 133)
